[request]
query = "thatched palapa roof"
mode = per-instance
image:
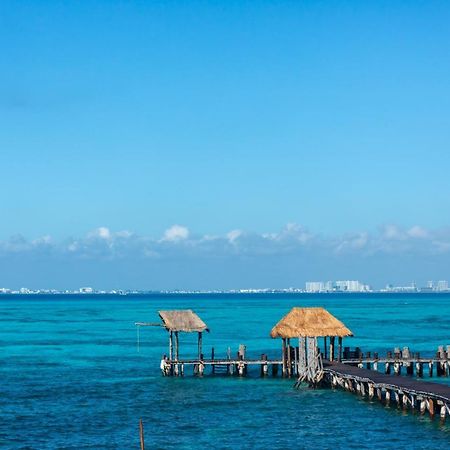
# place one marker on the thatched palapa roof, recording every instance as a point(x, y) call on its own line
point(309, 322)
point(182, 320)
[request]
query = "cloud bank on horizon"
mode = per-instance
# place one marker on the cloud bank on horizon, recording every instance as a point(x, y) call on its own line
point(183, 259)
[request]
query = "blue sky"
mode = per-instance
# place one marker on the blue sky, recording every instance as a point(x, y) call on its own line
point(222, 116)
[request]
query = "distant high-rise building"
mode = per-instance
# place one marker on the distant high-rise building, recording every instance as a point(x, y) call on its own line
point(86, 290)
point(352, 286)
point(442, 285)
point(314, 286)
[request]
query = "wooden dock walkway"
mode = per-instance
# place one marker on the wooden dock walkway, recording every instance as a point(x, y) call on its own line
point(307, 361)
point(407, 392)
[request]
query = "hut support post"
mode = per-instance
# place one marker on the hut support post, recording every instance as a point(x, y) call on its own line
point(325, 347)
point(176, 345)
point(340, 349)
point(176, 353)
point(283, 359)
point(200, 345)
point(332, 338)
point(289, 358)
point(171, 352)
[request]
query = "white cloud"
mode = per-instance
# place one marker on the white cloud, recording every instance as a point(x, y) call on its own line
point(101, 232)
point(176, 233)
point(394, 233)
point(102, 243)
point(417, 232)
point(233, 235)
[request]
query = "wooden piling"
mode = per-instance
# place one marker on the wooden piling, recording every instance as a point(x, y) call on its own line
point(340, 348)
point(274, 369)
point(443, 412)
point(368, 364)
point(200, 344)
point(431, 407)
point(289, 358)
point(387, 368)
point(141, 434)
point(423, 405)
point(332, 339)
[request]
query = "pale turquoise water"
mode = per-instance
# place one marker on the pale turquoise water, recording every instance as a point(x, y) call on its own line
point(71, 376)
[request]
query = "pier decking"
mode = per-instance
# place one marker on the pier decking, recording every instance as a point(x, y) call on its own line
point(405, 391)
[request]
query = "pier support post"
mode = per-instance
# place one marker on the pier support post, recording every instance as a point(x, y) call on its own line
point(274, 370)
point(289, 358)
point(171, 352)
point(264, 366)
point(379, 394)
point(419, 369)
point(443, 412)
point(431, 407)
point(397, 398)
point(387, 368)
point(388, 397)
point(371, 391)
point(332, 338)
point(368, 364)
point(176, 353)
point(283, 358)
point(241, 368)
point(423, 406)
point(430, 368)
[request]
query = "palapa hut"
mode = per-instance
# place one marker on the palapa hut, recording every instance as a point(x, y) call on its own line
point(307, 324)
point(185, 320)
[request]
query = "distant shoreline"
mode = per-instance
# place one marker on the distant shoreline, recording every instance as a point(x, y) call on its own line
point(216, 293)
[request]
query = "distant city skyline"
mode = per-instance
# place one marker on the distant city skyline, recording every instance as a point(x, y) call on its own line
point(311, 287)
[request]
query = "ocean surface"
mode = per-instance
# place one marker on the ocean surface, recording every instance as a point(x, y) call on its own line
point(73, 377)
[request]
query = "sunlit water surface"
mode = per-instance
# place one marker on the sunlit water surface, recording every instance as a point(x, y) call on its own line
point(72, 376)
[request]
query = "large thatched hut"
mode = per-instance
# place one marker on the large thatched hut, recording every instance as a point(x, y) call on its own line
point(307, 324)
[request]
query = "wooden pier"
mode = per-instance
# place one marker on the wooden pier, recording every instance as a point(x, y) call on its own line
point(367, 375)
point(405, 392)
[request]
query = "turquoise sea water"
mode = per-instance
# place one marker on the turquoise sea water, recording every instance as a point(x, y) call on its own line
point(72, 377)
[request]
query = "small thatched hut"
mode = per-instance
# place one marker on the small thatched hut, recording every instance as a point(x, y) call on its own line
point(304, 324)
point(185, 320)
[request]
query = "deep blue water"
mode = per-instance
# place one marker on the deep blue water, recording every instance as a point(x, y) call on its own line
point(72, 378)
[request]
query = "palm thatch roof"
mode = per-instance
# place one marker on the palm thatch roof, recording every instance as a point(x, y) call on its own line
point(182, 320)
point(309, 322)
